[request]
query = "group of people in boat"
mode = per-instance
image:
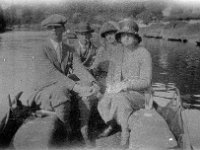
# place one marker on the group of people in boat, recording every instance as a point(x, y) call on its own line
point(114, 76)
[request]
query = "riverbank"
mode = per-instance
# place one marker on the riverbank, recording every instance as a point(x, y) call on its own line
point(180, 31)
point(23, 27)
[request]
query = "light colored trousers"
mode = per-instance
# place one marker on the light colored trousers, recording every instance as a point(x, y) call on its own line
point(119, 107)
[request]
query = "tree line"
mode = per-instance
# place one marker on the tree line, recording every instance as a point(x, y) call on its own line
point(95, 12)
point(2, 20)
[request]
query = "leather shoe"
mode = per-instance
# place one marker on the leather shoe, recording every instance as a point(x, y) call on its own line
point(106, 132)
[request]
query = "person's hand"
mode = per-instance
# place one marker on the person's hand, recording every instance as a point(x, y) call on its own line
point(93, 71)
point(96, 90)
point(83, 90)
point(95, 86)
point(87, 90)
point(116, 87)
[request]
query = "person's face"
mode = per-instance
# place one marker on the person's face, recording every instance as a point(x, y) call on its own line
point(84, 38)
point(55, 32)
point(110, 37)
point(128, 39)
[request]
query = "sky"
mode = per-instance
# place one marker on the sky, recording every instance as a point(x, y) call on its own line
point(28, 1)
point(6, 3)
point(57, 1)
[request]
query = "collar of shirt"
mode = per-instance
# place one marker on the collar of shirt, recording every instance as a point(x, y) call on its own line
point(56, 48)
point(87, 46)
point(56, 44)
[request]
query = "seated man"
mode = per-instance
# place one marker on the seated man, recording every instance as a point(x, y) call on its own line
point(61, 76)
point(84, 47)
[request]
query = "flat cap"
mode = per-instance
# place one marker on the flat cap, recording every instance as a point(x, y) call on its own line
point(84, 27)
point(54, 20)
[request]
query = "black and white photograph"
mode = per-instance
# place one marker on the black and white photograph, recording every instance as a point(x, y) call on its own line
point(100, 74)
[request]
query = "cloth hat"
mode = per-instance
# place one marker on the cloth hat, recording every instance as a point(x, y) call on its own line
point(54, 20)
point(84, 28)
point(127, 25)
point(110, 26)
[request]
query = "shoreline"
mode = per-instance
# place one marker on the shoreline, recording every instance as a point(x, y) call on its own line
point(176, 31)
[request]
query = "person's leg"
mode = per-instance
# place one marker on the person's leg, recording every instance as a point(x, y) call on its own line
point(60, 133)
point(128, 103)
point(63, 113)
point(136, 99)
point(107, 131)
point(85, 107)
point(107, 108)
point(119, 107)
point(56, 99)
point(104, 107)
point(123, 112)
point(60, 101)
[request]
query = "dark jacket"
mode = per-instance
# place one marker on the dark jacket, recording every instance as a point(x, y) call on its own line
point(88, 57)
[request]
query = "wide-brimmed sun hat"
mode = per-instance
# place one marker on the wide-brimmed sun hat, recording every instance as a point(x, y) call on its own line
point(54, 20)
point(127, 25)
point(107, 27)
point(84, 27)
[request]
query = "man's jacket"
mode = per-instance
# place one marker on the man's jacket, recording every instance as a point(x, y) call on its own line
point(88, 57)
point(52, 71)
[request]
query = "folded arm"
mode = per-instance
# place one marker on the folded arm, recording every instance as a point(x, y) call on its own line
point(80, 71)
point(143, 81)
point(136, 83)
point(54, 74)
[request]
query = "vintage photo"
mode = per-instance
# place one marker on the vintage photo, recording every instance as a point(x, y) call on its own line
point(100, 74)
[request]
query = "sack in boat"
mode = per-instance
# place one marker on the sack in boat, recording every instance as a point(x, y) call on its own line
point(191, 122)
point(150, 131)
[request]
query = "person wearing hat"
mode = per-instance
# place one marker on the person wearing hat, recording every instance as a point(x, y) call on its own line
point(62, 76)
point(105, 52)
point(84, 47)
point(127, 80)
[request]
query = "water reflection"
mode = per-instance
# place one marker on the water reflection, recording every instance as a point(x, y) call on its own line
point(164, 93)
point(0, 43)
point(180, 61)
point(163, 56)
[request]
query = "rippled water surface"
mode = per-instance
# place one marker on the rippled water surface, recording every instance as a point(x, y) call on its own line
point(177, 63)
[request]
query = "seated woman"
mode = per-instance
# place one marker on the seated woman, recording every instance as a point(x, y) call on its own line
point(104, 53)
point(129, 75)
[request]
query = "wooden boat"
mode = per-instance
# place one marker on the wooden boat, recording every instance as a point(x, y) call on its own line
point(181, 115)
point(165, 123)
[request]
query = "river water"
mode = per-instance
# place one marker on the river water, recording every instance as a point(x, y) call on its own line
point(173, 62)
